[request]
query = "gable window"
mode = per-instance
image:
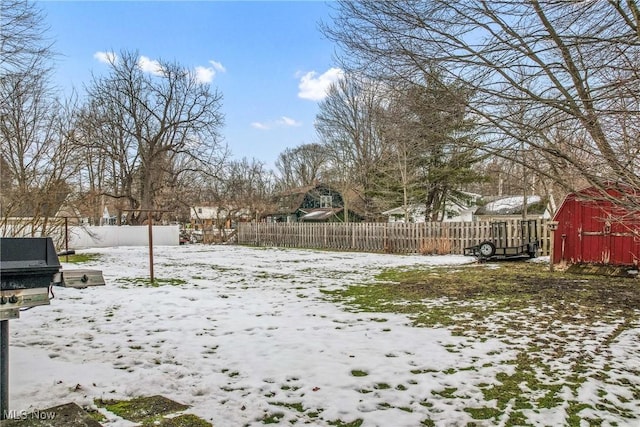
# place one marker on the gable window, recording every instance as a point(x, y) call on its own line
point(325, 201)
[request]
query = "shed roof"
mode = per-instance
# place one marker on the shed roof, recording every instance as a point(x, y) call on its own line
point(622, 196)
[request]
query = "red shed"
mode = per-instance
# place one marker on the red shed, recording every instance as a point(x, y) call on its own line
point(593, 228)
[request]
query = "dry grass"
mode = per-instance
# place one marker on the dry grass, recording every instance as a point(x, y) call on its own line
point(435, 246)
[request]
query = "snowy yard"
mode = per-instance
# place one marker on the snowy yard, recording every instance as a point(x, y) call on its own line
point(248, 336)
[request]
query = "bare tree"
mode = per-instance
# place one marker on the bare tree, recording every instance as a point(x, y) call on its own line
point(36, 151)
point(347, 127)
point(538, 69)
point(144, 121)
point(24, 47)
point(242, 192)
point(301, 166)
point(37, 154)
point(248, 188)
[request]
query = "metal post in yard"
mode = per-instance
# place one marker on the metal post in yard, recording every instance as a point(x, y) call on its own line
point(150, 224)
point(553, 226)
point(150, 221)
point(66, 239)
point(4, 369)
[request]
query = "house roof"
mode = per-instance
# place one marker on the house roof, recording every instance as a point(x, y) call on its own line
point(455, 205)
point(400, 210)
point(512, 205)
point(320, 214)
point(217, 212)
point(291, 200)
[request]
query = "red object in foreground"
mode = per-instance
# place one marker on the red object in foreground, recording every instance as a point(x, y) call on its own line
point(599, 227)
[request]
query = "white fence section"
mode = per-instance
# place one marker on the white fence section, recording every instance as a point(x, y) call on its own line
point(125, 235)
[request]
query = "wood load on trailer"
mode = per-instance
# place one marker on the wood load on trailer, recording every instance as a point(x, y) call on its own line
point(503, 245)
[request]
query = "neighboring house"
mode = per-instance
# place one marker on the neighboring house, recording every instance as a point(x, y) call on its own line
point(593, 228)
point(98, 209)
point(457, 210)
point(110, 216)
point(202, 217)
point(512, 207)
point(414, 212)
point(313, 203)
point(208, 217)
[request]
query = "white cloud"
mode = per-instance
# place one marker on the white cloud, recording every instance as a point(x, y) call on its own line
point(283, 121)
point(287, 121)
point(261, 126)
point(218, 66)
point(105, 57)
point(206, 74)
point(314, 87)
point(149, 65)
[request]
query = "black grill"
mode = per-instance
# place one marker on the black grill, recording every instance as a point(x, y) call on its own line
point(27, 263)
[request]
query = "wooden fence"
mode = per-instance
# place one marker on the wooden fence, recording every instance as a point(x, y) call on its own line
point(416, 238)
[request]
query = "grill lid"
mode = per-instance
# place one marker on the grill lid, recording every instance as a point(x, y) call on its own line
point(27, 262)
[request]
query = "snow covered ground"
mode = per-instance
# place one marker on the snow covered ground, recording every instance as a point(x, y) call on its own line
point(245, 335)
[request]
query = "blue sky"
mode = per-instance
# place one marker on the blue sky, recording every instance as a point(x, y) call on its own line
point(267, 58)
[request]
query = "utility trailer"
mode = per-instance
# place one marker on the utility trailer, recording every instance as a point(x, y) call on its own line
point(501, 245)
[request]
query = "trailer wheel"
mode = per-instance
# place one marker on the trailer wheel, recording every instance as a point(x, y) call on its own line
point(487, 249)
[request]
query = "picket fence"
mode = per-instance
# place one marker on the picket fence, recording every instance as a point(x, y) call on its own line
point(413, 238)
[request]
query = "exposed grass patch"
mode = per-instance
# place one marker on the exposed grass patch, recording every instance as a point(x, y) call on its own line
point(359, 373)
point(556, 327)
point(95, 415)
point(511, 286)
point(295, 406)
point(141, 408)
point(339, 423)
point(79, 258)
point(222, 268)
point(446, 392)
point(289, 388)
point(483, 413)
point(145, 281)
point(273, 418)
point(509, 386)
point(272, 275)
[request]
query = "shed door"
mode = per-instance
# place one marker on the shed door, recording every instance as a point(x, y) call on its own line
point(608, 239)
point(594, 235)
point(625, 241)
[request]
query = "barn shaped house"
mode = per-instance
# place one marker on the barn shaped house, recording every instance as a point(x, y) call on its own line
point(313, 203)
point(598, 227)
